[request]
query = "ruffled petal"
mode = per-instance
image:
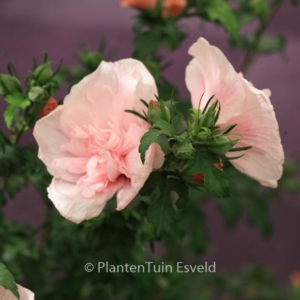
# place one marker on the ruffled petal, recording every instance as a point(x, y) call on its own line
point(138, 173)
point(72, 204)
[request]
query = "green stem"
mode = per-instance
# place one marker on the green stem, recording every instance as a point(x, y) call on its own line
point(252, 51)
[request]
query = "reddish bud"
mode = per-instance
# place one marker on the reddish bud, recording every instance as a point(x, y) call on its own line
point(200, 177)
point(49, 106)
point(139, 4)
point(173, 7)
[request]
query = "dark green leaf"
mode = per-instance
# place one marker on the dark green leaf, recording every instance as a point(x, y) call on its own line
point(182, 190)
point(160, 212)
point(165, 127)
point(150, 137)
point(215, 180)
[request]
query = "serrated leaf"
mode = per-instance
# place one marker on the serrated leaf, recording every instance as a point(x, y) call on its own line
point(155, 179)
point(7, 280)
point(148, 138)
point(221, 11)
point(15, 102)
point(165, 127)
point(160, 212)
point(182, 191)
point(215, 180)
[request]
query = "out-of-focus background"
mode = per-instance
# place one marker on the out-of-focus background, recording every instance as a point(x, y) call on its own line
point(31, 27)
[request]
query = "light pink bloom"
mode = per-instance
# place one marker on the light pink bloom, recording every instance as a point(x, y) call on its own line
point(90, 144)
point(241, 103)
point(25, 294)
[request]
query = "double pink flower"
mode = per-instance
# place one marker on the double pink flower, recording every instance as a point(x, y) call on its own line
point(90, 144)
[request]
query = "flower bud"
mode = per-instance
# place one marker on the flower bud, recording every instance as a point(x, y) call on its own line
point(154, 112)
point(43, 73)
point(49, 106)
point(139, 4)
point(91, 59)
point(183, 151)
point(203, 133)
point(173, 7)
point(37, 94)
point(9, 84)
point(220, 145)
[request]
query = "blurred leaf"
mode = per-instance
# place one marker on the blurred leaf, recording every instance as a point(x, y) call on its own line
point(270, 44)
point(16, 101)
point(261, 8)
point(220, 11)
point(7, 281)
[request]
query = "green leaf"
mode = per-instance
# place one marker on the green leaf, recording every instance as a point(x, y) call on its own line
point(7, 281)
point(15, 102)
point(160, 212)
point(165, 127)
point(261, 8)
point(146, 44)
point(173, 36)
point(155, 179)
point(3, 142)
point(182, 190)
point(150, 137)
point(295, 2)
point(220, 11)
point(215, 180)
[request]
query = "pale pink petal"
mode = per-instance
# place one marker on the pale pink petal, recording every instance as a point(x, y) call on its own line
point(259, 128)
point(50, 138)
point(71, 204)
point(138, 173)
point(24, 293)
point(211, 73)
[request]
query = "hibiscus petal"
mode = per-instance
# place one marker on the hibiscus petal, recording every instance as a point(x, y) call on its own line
point(138, 173)
point(259, 128)
point(24, 293)
point(50, 138)
point(211, 73)
point(71, 204)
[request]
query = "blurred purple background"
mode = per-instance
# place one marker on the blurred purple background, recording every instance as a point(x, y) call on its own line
point(30, 27)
